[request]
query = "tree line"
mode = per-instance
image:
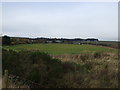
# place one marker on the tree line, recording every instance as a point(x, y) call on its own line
point(21, 40)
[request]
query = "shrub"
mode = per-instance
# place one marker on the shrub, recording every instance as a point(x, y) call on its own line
point(68, 67)
point(40, 68)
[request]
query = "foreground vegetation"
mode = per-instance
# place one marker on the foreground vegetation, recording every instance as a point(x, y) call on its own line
point(83, 70)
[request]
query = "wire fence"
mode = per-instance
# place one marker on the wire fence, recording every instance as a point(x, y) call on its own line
point(12, 81)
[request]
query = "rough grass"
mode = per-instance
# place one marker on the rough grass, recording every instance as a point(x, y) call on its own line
point(84, 70)
point(86, 66)
point(58, 49)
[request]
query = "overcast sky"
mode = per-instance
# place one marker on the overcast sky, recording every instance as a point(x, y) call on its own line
point(61, 19)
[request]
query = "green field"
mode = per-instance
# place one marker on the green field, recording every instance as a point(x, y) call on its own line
point(57, 49)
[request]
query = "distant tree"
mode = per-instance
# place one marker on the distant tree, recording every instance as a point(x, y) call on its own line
point(6, 40)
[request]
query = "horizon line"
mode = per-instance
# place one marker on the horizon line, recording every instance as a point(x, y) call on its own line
point(59, 37)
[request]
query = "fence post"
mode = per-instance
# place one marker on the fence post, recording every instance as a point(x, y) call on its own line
point(6, 79)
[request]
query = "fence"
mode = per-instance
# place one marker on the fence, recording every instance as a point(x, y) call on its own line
point(12, 81)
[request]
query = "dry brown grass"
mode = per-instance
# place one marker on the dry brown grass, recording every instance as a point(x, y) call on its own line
point(103, 72)
point(80, 58)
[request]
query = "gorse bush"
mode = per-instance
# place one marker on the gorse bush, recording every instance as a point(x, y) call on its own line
point(40, 68)
point(37, 66)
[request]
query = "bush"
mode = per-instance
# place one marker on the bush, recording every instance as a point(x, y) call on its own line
point(68, 67)
point(40, 68)
point(36, 66)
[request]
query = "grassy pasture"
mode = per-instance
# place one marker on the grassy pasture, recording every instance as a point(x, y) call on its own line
point(58, 49)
